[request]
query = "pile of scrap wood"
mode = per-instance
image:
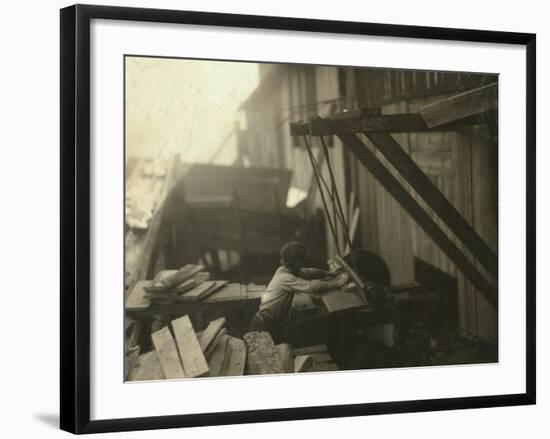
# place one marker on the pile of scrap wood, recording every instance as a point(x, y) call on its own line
point(179, 352)
point(188, 284)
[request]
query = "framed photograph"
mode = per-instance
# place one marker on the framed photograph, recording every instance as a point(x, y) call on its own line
point(275, 218)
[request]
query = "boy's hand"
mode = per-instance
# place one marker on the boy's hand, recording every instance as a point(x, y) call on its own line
point(343, 279)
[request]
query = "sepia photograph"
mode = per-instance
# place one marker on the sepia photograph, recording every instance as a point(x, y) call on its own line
point(296, 218)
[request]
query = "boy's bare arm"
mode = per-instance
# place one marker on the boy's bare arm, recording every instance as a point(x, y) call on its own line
point(332, 284)
point(316, 273)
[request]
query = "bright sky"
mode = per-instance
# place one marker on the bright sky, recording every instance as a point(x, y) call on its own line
point(184, 106)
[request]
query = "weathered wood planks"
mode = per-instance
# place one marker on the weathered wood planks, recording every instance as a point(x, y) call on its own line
point(217, 360)
point(168, 354)
point(148, 368)
point(321, 357)
point(192, 358)
point(201, 291)
point(209, 334)
point(137, 299)
point(303, 363)
point(338, 300)
point(235, 357)
point(130, 361)
point(314, 359)
point(210, 348)
point(461, 105)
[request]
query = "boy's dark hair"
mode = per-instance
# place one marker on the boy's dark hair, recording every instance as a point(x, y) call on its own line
point(293, 254)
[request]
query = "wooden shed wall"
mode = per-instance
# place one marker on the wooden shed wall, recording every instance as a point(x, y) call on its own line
point(464, 166)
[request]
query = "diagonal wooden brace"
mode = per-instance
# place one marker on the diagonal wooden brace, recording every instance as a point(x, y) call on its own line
point(433, 197)
point(422, 218)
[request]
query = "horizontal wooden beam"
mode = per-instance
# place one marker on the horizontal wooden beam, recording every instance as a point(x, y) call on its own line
point(363, 123)
point(422, 218)
point(433, 197)
point(461, 106)
point(357, 112)
point(366, 123)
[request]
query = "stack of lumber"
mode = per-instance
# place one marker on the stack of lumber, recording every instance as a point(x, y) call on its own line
point(179, 352)
point(314, 359)
point(188, 284)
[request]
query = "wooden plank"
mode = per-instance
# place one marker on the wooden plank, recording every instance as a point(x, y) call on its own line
point(236, 357)
point(311, 349)
point(390, 123)
point(338, 300)
point(157, 285)
point(460, 106)
point(128, 325)
point(201, 291)
point(485, 216)
point(433, 197)
point(185, 286)
point(321, 357)
point(148, 368)
point(130, 361)
point(137, 300)
point(136, 334)
point(197, 292)
point(303, 363)
point(181, 275)
point(218, 358)
point(168, 354)
point(262, 357)
point(209, 334)
point(210, 348)
point(163, 274)
point(192, 358)
point(202, 276)
point(422, 218)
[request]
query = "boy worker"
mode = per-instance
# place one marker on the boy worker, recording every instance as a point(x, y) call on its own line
point(275, 313)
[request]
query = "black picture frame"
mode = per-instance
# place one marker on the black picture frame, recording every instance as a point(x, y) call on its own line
point(75, 216)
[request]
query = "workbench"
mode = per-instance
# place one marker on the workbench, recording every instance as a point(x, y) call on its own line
point(243, 301)
point(231, 296)
point(234, 296)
